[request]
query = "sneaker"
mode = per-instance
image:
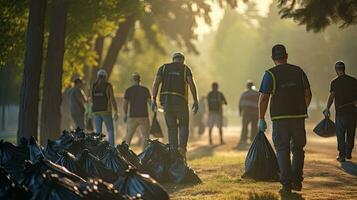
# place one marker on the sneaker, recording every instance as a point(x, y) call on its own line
point(341, 159)
point(296, 186)
point(285, 190)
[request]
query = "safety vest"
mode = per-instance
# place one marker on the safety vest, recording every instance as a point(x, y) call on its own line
point(174, 81)
point(100, 97)
point(288, 93)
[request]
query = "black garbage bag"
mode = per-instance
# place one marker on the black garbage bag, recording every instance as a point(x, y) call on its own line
point(50, 151)
point(35, 150)
point(51, 187)
point(33, 172)
point(155, 129)
point(101, 149)
point(136, 184)
point(114, 161)
point(77, 146)
point(9, 189)
point(325, 128)
point(64, 141)
point(129, 155)
point(180, 172)
point(261, 162)
point(98, 189)
point(91, 166)
point(10, 152)
point(155, 159)
point(69, 161)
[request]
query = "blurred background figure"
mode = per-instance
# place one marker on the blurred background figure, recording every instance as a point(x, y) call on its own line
point(248, 110)
point(215, 101)
point(104, 105)
point(198, 121)
point(136, 100)
point(77, 101)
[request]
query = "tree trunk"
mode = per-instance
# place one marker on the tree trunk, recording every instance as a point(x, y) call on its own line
point(117, 43)
point(30, 87)
point(3, 115)
point(52, 94)
point(98, 47)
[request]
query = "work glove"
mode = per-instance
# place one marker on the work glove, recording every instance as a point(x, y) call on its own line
point(326, 112)
point(153, 106)
point(125, 119)
point(262, 125)
point(115, 116)
point(195, 107)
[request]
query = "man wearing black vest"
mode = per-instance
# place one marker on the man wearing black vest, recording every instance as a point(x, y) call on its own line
point(344, 91)
point(175, 78)
point(288, 89)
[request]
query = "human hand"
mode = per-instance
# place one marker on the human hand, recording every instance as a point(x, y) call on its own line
point(195, 107)
point(125, 119)
point(326, 112)
point(153, 106)
point(115, 116)
point(262, 125)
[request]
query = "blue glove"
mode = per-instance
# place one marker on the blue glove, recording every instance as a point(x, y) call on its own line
point(326, 112)
point(153, 106)
point(195, 107)
point(262, 125)
point(125, 119)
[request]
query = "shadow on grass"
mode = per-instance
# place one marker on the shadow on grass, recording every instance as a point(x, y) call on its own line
point(292, 196)
point(171, 188)
point(201, 152)
point(349, 167)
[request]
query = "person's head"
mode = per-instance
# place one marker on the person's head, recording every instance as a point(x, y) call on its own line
point(278, 54)
point(78, 82)
point(249, 85)
point(102, 75)
point(340, 68)
point(214, 86)
point(178, 57)
point(135, 78)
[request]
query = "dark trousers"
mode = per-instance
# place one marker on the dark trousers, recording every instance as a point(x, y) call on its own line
point(177, 121)
point(289, 135)
point(247, 119)
point(345, 132)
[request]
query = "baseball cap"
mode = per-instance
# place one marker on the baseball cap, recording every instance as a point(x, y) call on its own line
point(136, 76)
point(340, 64)
point(177, 55)
point(102, 72)
point(278, 51)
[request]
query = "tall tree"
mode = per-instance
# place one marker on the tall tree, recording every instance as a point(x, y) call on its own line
point(52, 96)
point(29, 95)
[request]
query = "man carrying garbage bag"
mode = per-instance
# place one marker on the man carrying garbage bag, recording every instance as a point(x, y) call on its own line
point(344, 91)
point(175, 78)
point(288, 89)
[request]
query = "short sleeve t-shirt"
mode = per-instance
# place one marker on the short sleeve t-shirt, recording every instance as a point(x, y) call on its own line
point(215, 101)
point(173, 100)
point(266, 85)
point(75, 96)
point(138, 97)
point(345, 89)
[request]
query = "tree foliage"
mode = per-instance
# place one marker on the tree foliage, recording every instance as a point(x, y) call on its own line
point(316, 15)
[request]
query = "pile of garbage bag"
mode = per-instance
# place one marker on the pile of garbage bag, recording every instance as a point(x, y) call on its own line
point(77, 165)
point(261, 163)
point(325, 128)
point(166, 165)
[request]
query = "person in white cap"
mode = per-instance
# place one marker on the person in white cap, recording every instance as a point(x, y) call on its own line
point(175, 78)
point(104, 105)
point(343, 91)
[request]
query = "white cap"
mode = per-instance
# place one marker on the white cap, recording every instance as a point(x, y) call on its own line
point(102, 72)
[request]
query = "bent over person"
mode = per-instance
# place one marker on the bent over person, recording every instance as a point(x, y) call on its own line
point(136, 100)
point(175, 78)
point(288, 89)
point(344, 91)
point(104, 104)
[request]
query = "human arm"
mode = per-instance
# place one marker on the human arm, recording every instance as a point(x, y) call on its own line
point(263, 104)
point(112, 100)
point(193, 89)
point(224, 100)
point(308, 97)
point(155, 90)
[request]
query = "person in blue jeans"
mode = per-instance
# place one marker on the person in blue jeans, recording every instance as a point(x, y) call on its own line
point(287, 88)
point(103, 105)
point(343, 91)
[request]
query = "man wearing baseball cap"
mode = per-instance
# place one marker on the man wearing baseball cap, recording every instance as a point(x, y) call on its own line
point(175, 78)
point(288, 89)
point(343, 91)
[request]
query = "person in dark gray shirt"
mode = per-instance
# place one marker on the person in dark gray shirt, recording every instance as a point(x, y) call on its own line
point(77, 99)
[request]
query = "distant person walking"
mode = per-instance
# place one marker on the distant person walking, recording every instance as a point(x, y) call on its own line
point(343, 91)
point(248, 110)
point(288, 89)
point(215, 100)
point(136, 98)
point(104, 104)
point(77, 101)
point(175, 78)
